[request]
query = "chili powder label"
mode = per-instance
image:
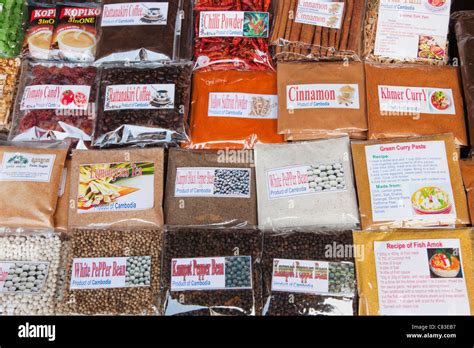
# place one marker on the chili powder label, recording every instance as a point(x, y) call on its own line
point(139, 13)
point(321, 13)
point(233, 24)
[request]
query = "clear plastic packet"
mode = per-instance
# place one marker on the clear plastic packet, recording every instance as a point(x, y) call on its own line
point(148, 30)
point(232, 34)
point(29, 264)
point(415, 263)
point(304, 273)
point(409, 183)
point(62, 208)
point(119, 188)
point(235, 287)
point(12, 22)
point(208, 188)
point(39, 29)
point(9, 69)
point(318, 29)
point(415, 33)
point(55, 101)
point(414, 100)
point(143, 104)
point(30, 176)
point(128, 282)
point(467, 171)
point(306, 186)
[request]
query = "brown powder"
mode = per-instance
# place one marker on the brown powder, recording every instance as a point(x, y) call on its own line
point(62, 209)
point(467, 170)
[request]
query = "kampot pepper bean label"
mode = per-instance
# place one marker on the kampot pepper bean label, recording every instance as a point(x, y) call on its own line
point(110, 272)
point(306, 179)
point(212, 182)
point(243, 105)
point(322, 96)
point(131, 97)
point(40, 31)
point(23, 277)
point(422, 277)
point(233, 24)
point(135, 13)
point(109, 187)
point(313, 277)
point(414, 29)
point(211, 273)
point(22, 166)
point(71, 97)
point(410, 181)
point(321, 13)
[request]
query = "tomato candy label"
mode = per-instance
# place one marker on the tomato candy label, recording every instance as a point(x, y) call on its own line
point(55, 97)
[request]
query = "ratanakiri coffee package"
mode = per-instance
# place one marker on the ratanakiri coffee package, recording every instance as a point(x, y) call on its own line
point(415, 272)
point(62, 208)
point(8, 77)
point(309, 273)
point(30, 176)
point(123, 188)
point(209, 272)
point(206, 188)
point(143, 104)
point(409, 182)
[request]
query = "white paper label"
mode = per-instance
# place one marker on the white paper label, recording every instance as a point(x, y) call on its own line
point(399, 101)
point(55, 97)
point(327, 96)
point(213, 182)
point(418, 29)
point(321, 13)
point(313, 277)
point(23, 277)
point(305, 179)
point(135, 13)
point(211, 273)
point(21, 166)
point(110, 272)
point(421, 277)
point(410, 181)
point(233, 24)
point(243, 105)
point(130, 97)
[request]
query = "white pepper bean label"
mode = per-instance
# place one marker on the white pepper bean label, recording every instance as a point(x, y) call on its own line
point(22, 166)
point(55, 97)
point(233, 24)
point(20, 277)
point(211, 273)
point(132, 97)
point(110, 272)
point(243, 105)
point(321, 13)
point(327, 96)
point(306, 179)
point(313, 277)
point(213, 182)
point(138, 13)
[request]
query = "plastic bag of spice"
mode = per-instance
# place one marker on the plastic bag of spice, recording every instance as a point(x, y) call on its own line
point(39, 29)
point(143, 104)
point(289, 261)
point(55, 101)
point(409, 183)
point(433, 264)
point(123, 188)
point(307, 185)
point(233, 288)
point(310, 94)
point(206, 188)
point(29, 261)
point(12, 20)
point(8, 79)
point(62, 208)
point(318, 30)
point(148, 30)
point(234, 109)
point(467, 171)
point(30, 177)
point(414, 100)
point(232, 34)
point(132, 288)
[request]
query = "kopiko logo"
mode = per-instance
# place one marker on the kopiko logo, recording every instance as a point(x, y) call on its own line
point(37, 331)
point(18, 160)
point(436, 5)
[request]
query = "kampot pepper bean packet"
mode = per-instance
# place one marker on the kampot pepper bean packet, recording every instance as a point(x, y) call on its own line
point(210, 188)
point(411, 100)
point(409, 183)
point(233, 109)
point(321, 100)
point(9, 69)
point(39, 30)
point(415, 272)
point(119, 188)
point(209, 273)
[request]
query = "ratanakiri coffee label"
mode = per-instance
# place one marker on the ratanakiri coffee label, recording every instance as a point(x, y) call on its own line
point(318, 96)
point(313, 277)
point(212, 182)
point(427, 272)
point(135, 13)
point(110, 187)
point(132, 97)
point(233, 24)
point(23, 277)
point(110, 272)
point(211, 273)
point(21, 166)
point(321, 13)
point(55, 97)
point(243, 105)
